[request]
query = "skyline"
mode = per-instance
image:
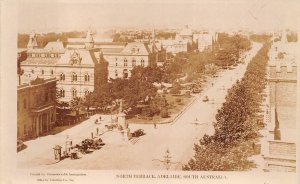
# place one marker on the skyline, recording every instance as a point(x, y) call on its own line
point(215, 15)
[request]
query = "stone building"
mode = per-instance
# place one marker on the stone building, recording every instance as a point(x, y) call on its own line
point(36, 108)
point(279, 148)
point(174, 46)
point(74, 67)
point(185, 34)
point(206, 41)
point(134, 54)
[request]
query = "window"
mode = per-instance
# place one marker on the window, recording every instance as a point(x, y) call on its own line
point(116, 64)
point(142, 62)
point(133, 50)
point(32, 71)
point(125, 62)
point(116, 59)
point(62, 77)
point(86, 78)
point(116, 73)
point(52, 72)
point(24, 103)
point(74, 77)
point(125, 73)
point(62, 93)
point(74, 93)
point(133, 62)
point(86, 92)
point(42, 72)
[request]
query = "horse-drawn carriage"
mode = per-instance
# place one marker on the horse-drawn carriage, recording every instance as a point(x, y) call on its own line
point(88, 145)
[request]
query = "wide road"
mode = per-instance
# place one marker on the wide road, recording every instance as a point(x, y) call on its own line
point(178, 137)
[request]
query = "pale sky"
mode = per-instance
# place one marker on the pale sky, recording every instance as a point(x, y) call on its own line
point(215, 14)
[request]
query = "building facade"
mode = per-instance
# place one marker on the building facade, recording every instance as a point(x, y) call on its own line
point(279, 148)
point(36, 108)
point(74, 67)
point(134, 54)
point(185, 34)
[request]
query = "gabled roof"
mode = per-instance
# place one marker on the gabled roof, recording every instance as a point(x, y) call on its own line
point(85, 57)
point(136, 48)
point(58, 45)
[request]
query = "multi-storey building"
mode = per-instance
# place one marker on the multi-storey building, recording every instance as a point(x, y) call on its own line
point(185, 34)
point(73, 67)
point(134, 54)
point(206, 41)
point(36, 108)
point(76, 66)
point(279, 148)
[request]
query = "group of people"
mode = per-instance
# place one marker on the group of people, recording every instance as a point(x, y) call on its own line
point(100, 119)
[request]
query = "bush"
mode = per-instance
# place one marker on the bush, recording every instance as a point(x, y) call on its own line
point(164, 113)
point(178, 100)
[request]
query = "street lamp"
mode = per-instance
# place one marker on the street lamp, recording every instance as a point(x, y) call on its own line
point(167, 160)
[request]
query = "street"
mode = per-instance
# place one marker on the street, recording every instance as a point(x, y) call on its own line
point(142, 153)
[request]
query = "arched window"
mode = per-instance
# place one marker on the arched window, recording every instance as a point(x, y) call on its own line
point(74, 93)
point(74, 77)
point(86, 92)
point(133, 62)
point(142, 62)
point(62, 77)
point(86, 77)
point(125, 73)
point(62, 93)
point(125, 62)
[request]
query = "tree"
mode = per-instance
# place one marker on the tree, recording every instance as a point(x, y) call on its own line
point(176, 88)
point(89, 100)
point(235, 124)
point(164, 113)
point(75, 104)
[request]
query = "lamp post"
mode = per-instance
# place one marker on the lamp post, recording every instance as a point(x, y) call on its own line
point(167, 160)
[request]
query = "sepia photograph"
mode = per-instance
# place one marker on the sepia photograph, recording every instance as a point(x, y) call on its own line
point(178, 91)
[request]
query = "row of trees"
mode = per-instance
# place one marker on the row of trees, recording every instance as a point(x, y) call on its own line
point(236, 123)
point(225, 52)
point(43, 39)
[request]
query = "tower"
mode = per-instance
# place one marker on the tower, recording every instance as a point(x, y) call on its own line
point(153, 35)
point(32, 43)
point(89, 43)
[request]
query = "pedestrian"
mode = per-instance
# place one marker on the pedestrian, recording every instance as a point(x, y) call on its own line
point(72, 151)
point(155, 125)
point(100, 118)
point(96, 121)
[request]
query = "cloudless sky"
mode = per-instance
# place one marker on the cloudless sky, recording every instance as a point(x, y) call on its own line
point(215, 14)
